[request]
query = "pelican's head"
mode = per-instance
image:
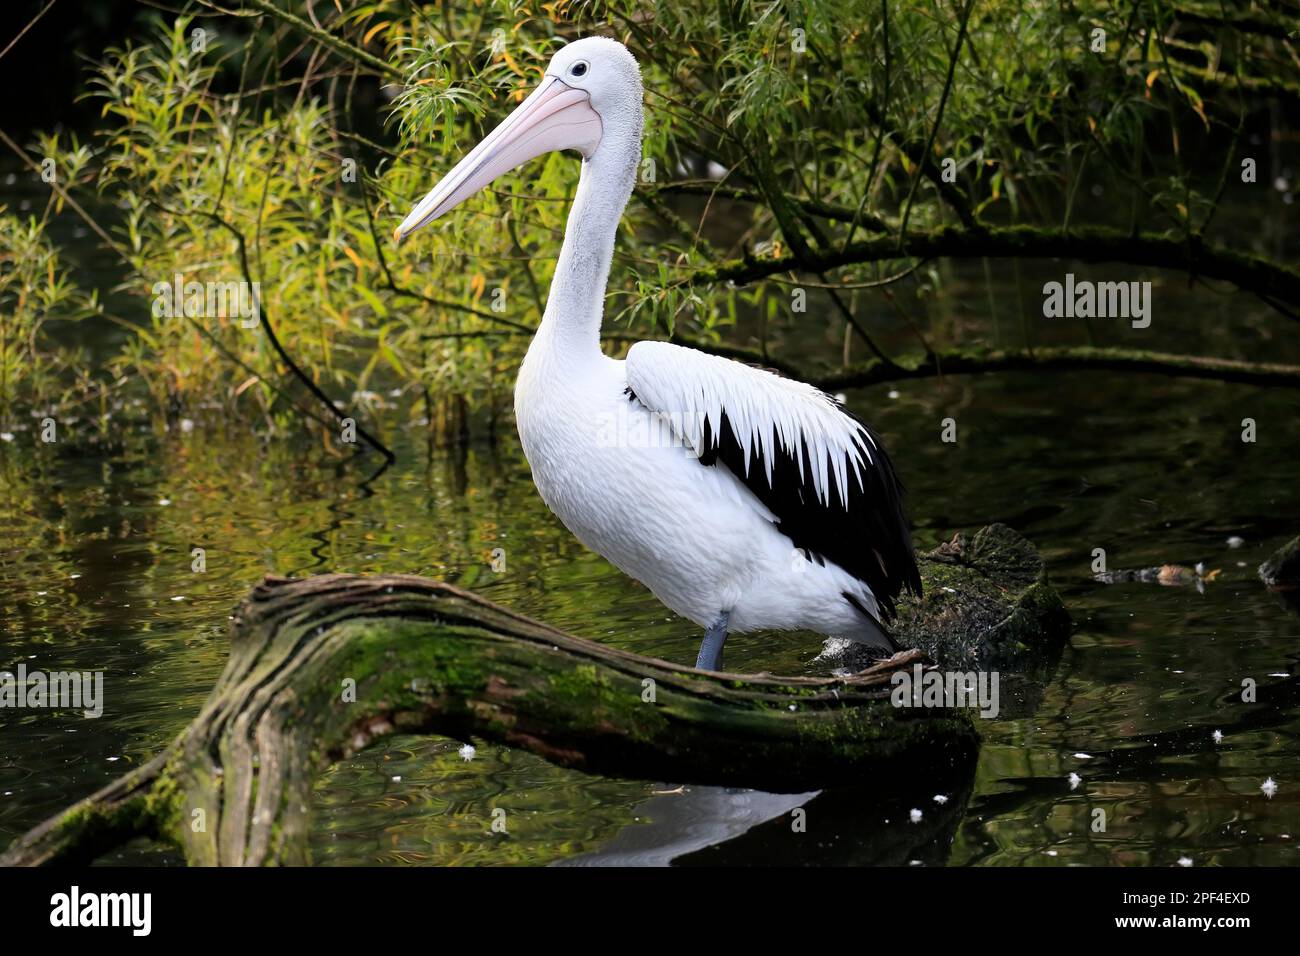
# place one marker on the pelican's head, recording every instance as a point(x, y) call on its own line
point(590, 95)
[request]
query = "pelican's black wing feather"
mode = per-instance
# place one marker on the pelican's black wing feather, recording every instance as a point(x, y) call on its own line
point(816, 466)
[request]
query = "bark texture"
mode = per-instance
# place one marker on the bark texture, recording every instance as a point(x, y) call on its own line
point(320, 667)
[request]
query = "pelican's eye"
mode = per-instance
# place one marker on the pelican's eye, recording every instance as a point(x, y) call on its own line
point(578, 69)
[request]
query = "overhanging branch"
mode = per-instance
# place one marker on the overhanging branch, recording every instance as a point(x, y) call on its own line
point(958, 361)
point(1085, 244)
point(343, 48)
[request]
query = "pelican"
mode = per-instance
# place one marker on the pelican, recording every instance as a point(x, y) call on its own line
point(743, 500)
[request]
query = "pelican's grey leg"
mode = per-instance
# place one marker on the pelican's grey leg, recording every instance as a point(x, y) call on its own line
point(710, 658)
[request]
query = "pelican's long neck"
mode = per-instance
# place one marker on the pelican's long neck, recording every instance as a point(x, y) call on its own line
point(571, 324)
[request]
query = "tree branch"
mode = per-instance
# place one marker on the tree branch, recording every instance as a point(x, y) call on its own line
point(815, 207)
point(1086, 244)
point(340, 46)
point(1278, 29)
point(970, 361)
point(274, 339)
point(321, 667)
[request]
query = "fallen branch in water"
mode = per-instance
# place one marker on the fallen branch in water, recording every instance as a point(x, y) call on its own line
point(321, 667)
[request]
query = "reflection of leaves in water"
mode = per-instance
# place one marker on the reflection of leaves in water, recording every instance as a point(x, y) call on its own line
point(1144, 663)
point(279, 508)
point(440, 812)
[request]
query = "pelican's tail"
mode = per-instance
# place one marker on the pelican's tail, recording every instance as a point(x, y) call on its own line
point(874, 634)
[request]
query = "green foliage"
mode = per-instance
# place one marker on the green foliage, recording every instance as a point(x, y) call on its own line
point(35, 289)
point(792, 108)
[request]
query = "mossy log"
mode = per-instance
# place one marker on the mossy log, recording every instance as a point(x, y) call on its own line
point(1282, 569)
point(986, 604)
point(320, 667)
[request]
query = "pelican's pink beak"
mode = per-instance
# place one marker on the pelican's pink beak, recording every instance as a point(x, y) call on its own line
point(555, 116)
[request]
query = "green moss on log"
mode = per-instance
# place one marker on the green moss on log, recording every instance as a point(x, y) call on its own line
point(1282, 570)
point(426, 657)
point(987, 603)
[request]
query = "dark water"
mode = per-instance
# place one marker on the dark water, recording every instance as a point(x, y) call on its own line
point(95, 573)
point(96, 534)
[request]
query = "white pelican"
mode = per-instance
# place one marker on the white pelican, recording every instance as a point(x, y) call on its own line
point(744, 501)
